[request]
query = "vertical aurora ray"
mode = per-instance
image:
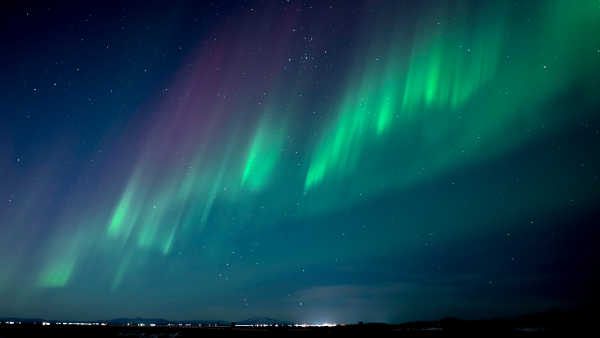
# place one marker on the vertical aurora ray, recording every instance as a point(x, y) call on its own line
point(388, 100)
point(58, 273)
point(449, 62)
point(67, 247)
point(340, 147)
point(169, 241)
point(123, 216)
point(263, 155)
point(120, 271)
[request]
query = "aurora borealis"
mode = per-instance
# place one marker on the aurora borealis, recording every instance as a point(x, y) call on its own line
point(308, 161)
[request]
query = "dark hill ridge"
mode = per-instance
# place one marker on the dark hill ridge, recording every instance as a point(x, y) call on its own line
point(579, 317)
point(162, 321)
point(264, 320)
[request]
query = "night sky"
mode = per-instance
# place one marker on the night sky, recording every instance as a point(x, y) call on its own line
point(303, 160)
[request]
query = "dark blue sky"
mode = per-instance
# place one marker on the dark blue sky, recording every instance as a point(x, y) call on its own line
point(310, 161)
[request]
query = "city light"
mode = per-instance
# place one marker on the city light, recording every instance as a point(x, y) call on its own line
point(325, 324)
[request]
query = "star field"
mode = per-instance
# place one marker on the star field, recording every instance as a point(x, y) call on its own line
point(320, 161)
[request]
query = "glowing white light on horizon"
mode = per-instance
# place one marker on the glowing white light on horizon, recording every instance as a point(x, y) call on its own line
point(325, 324)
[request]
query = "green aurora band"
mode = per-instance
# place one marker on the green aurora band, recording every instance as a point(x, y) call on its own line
point(465, 85)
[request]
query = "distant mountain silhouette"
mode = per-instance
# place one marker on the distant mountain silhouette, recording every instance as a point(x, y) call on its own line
point(552, 319)
point(264, 320)
point(161, 321)
point(137, 320)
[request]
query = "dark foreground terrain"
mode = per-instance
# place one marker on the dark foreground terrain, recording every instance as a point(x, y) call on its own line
point(367, 330)
point(556, 324)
